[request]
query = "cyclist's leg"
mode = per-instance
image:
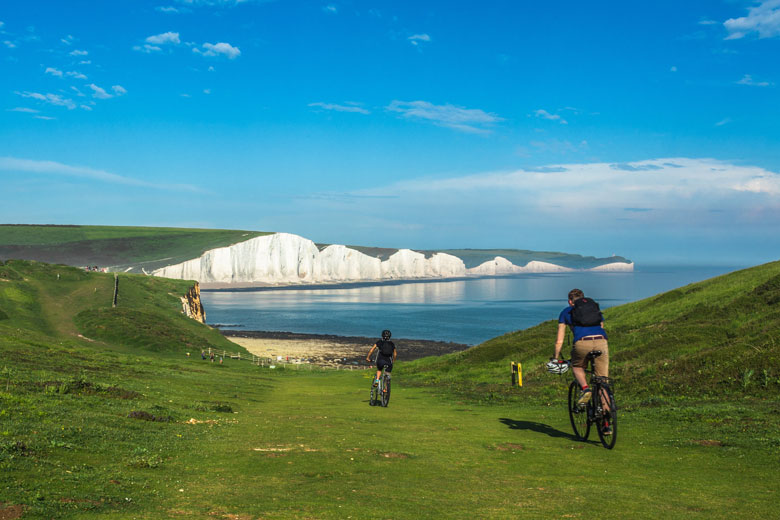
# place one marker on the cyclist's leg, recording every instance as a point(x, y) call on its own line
point(601, 367)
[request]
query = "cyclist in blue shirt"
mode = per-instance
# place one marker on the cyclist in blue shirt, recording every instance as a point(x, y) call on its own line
point(586, 338)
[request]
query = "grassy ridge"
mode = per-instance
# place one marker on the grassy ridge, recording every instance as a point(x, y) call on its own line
point(711, 338)
point(118, 247)
point(123, 427)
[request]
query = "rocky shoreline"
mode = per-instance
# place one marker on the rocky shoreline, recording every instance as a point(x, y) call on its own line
point(331, 350)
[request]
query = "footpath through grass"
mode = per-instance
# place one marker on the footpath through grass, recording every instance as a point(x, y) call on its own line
point(239, 441)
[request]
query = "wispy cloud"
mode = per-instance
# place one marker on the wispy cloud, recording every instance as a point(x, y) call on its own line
point(53, 72)
point(78, 53)
point(723, 121)
point(219, 49)
point(30, 166)
point(763, 19)
point(164, 38)
point(45, 118)
point(76, 75)
point(68, 40)
point(471, 120)
point(351, 107)
point(747, 79)
point(147, 48)
point(415, 39)
point(330, 9)
point(52, 99)
point(22, 109)
point(544, 114)
point(9, 44)
point(119, 90)
point(166, 9)
point(98, 92)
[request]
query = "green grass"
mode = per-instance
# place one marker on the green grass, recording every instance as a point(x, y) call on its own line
point(118, 247)
point(103, 427)
point(710, 339)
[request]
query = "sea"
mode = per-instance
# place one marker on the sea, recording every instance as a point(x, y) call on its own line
point(466, 311)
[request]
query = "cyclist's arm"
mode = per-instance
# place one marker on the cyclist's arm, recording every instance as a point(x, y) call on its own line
point(368, 356)
point(395, 353)
point(559, 339)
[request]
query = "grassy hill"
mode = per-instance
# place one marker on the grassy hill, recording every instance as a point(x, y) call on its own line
point(714, 338)
point(102, 415)
point(118, 247)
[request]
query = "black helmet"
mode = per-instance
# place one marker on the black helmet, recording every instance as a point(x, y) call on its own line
point(386, 334)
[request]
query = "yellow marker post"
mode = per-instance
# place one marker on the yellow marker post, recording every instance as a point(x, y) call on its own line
point(517, 374)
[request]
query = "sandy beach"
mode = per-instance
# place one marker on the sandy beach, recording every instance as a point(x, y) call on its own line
point(329, 350)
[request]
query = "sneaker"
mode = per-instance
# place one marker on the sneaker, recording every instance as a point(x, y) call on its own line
point(607, 430)
point(584, 398)
point(376, 382)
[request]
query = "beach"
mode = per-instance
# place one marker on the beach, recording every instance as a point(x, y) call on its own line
point(331, 350)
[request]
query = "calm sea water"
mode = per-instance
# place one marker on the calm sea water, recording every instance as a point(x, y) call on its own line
point(463, 311)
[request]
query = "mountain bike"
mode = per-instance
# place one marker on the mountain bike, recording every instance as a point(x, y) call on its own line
point(600, 409)
point(380, 394)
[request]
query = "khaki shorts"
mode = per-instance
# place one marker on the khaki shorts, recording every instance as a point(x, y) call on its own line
point(581, 349)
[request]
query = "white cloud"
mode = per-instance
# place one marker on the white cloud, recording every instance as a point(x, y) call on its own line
point(330, 9)
point(77, 91)
point(68, 40)
point(166, 9)
point(16, 165)
point(544, 114)
point(747, 79)
point(708, 22)
point(119, 90)
point(217, 49)
point(86, 107)
point(148, 49)
point(352, 107)
point(9, 44)
point(723, 121)
point(52, 99)
point(415, 39)
point(207, 91)
point(673, 68)
point(78, 53)
point(76, 75)
point(164, 38)
point(53, 72)
point(673, 186)
point(99, 93)
point(45, 118)
point(211, 69)
point(85, 62)
point(2, 24)
point(22, 109)
point(763, 19)
point(471, 120)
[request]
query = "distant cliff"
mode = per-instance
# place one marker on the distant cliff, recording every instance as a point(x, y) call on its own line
point(283, 258)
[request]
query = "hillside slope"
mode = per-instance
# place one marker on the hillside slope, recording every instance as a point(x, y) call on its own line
point(705, 339)
point(67, 303)
point(117, 247)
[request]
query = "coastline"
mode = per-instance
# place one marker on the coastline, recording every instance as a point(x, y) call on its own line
point(331, 350)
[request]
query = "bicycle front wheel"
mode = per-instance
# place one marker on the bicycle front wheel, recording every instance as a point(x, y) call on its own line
point(373, 397)
point(386, 391)
point(578, 416)
point(607, 423)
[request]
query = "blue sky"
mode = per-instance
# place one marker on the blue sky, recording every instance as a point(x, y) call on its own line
point(648, 130)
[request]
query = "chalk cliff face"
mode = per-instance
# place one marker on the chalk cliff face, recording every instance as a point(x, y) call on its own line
point(283, 258)
point(192, 306)
point(615, 267)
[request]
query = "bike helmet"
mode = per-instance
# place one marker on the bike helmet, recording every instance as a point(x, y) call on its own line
point(386, 334)
point(557, 367)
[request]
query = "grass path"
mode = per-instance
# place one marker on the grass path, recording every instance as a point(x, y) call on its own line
point(311, 447)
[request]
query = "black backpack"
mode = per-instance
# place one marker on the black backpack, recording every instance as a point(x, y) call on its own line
point(386, 348)
point(586, 313)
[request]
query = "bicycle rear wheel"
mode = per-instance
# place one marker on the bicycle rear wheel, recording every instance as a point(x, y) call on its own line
point(578, 416)
point(385, 390)
point(373, 398)
point(608, 420)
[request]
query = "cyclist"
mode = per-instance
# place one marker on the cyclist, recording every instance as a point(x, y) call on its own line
point(386, 356)
point(588, 336)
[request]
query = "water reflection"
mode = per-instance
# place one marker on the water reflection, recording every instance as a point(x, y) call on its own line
point(465, 311)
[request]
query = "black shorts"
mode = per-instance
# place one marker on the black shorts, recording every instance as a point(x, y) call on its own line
point(382, 362)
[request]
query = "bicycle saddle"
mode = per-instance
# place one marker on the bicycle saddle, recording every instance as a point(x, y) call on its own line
point(594, 354)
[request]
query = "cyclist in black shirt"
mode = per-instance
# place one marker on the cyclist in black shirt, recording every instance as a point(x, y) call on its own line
point(386, 356)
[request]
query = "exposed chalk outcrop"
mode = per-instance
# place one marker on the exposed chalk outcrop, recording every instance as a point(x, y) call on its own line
point(284, 258)
point(617, 267)
point(192, 306)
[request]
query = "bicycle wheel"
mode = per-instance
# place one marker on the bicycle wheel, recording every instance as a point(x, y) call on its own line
point(372, 398)
point(385, 390)
point(608, 419)
point(578, 416)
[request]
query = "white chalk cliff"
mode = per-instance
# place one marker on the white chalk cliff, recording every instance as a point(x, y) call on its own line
point(283, 258)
